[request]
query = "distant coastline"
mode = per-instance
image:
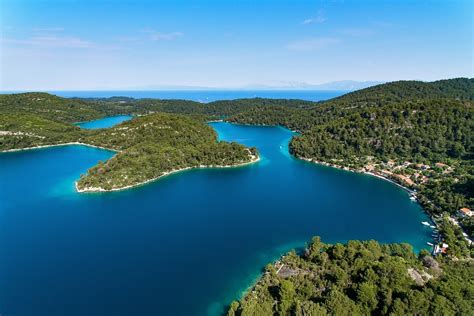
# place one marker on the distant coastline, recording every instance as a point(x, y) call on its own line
point(202, 96)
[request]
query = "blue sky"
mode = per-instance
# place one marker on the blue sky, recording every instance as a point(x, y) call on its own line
point(105, 44)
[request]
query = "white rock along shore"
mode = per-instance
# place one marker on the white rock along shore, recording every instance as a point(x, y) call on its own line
point(56, 145)
point(254, 159)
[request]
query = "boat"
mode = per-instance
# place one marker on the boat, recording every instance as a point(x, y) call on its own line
point(432, 226)
point(429, 243)
point(426, 223)
point(413, 198)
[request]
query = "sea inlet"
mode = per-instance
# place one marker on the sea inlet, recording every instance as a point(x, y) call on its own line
point(187, 244)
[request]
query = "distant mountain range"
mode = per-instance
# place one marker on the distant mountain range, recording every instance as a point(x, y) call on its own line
point(345, 85)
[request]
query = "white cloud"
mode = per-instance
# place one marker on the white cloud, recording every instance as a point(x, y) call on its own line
point(127, 39)
point(357, 31)
point(319, 18)
point(313, 44)
point(382, 23)
point(52, 41)
point(158, 36)
point(49, 37)
point(47, 29)
point(166, 36)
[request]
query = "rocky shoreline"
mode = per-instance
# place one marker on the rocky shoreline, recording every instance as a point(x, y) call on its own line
point(55, 145)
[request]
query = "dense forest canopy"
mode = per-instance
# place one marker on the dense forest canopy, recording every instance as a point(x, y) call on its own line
point(458, 89)
point(82, 109)
point(421, 130)
point(48, 106)
point(212, 110)
point(152, 145)
point(23, 130)
point(361, 278)
point(71, 110)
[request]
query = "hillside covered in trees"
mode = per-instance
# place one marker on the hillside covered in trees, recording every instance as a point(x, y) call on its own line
point(23, 130)
point(457, 89)
point(361, 278)
point(211, 110)
point(48, 106)
point(70, 110)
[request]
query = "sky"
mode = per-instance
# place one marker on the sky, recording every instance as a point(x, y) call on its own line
point(145, 44)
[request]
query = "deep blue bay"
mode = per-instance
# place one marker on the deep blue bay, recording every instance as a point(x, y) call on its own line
point(104, 122)
point(187, 244)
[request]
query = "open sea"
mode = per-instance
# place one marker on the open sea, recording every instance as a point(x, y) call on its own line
point(202, 95)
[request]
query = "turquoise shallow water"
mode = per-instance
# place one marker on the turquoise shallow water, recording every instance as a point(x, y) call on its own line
point(105, 122)
point(185, 245)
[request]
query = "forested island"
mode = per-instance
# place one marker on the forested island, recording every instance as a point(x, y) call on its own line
point(418, 134)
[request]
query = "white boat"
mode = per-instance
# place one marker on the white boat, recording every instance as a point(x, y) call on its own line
point(432, 226)
point(429, 243)
point(426, 223)
point(413, 198)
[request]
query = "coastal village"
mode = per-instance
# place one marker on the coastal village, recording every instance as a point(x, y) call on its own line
point(407, 173)
point(411, 177)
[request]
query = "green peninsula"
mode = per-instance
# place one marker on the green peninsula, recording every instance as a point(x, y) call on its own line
point(149, 146)
point(165, 136)
point(155, 145)
point(361, 278)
